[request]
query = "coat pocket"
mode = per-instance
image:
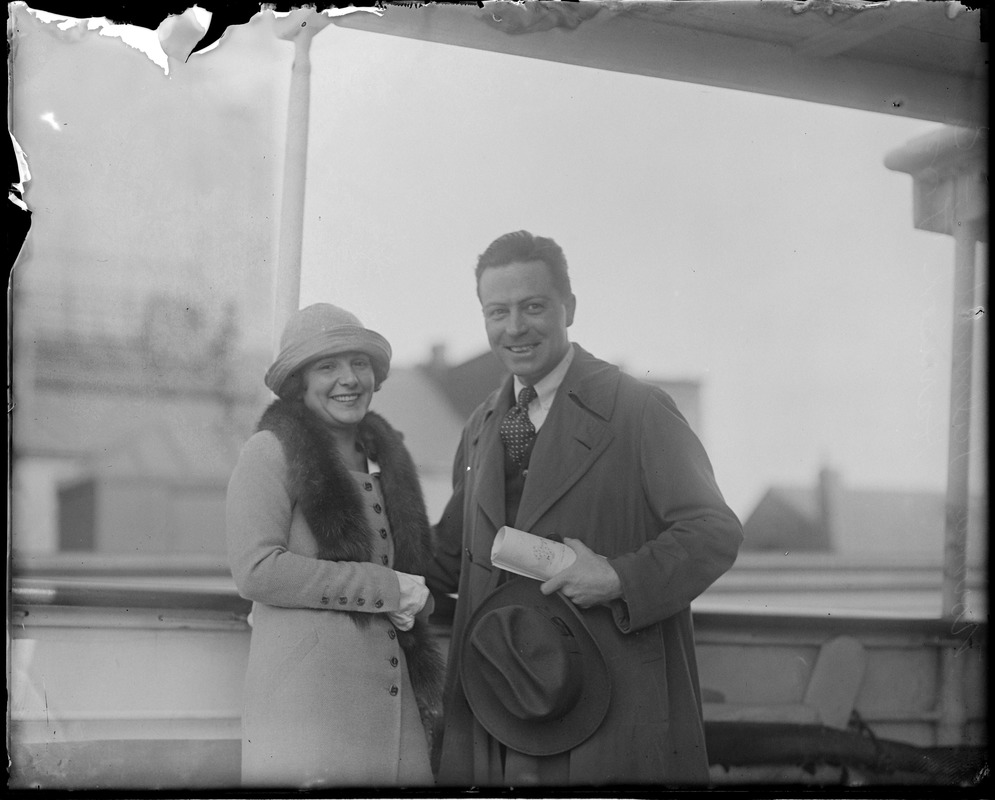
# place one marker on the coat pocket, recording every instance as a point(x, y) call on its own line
point(647, 644)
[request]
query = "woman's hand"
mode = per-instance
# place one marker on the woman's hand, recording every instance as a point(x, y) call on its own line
point(414, 596)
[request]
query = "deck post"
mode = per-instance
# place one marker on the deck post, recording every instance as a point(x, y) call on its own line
point(959, 443)
point(948, 168)
point(299, 26)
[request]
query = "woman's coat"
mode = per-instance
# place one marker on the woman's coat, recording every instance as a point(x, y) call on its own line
point(616, 466)
point(333, 690)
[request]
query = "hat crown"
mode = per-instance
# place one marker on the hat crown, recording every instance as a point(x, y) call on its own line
point(315, 320)
point(530, 662)
point(531, 671)
point(320, 330)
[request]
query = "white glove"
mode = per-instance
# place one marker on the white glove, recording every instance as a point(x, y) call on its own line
point(403, 622)
point(414, 595)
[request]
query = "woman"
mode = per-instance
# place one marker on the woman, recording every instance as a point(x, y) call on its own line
point(328, 536)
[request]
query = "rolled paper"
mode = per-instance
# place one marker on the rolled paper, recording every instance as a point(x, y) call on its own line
point(529, 555)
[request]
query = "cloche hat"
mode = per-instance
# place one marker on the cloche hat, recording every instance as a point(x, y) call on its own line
point(532, 673)
point(320, 330)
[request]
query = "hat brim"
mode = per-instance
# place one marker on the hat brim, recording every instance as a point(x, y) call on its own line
point(546, 737)
point(342, 339)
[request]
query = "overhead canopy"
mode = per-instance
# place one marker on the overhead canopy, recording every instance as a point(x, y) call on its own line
point(915, 59)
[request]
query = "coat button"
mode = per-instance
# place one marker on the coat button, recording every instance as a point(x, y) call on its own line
point(377, 507)
point(392, 633)
point(393, 691)
point(343, 601)
point(368, 486)
point(379, 604)
point(383, 533)
point(384, 559)
point(393, 661)
point(324, 601)
point(360, 601)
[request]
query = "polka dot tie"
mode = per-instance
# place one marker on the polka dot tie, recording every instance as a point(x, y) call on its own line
point(517, 430)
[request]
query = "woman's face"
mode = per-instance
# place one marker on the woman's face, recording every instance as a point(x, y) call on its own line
point(338, 388)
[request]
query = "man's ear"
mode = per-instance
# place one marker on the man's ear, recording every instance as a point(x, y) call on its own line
point(571, 305)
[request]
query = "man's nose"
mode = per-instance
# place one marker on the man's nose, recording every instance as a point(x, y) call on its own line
point(516, 323)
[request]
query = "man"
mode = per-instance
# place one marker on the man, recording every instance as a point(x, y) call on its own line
point(613, 470)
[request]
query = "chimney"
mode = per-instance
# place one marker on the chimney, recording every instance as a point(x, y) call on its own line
point(830, 507)
point(436, 366)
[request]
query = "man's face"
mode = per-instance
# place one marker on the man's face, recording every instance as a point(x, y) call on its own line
point(526, 318)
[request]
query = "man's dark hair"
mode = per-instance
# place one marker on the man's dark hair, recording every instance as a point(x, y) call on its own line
point(523, 246)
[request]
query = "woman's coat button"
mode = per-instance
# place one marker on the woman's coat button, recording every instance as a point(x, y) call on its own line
point(393, 691)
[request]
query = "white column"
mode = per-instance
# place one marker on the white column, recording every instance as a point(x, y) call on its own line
point(300, 26)
point(949, 169)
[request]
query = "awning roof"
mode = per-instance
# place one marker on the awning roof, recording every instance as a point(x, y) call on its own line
point(917, 59)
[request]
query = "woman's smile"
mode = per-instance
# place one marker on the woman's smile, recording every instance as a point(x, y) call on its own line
point(338, 388)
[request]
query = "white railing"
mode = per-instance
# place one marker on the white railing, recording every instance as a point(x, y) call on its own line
point(135, 681)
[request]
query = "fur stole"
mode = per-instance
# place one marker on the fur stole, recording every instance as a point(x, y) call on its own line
point(333, 508)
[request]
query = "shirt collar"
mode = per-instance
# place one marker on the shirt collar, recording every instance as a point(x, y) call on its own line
point(546, 388)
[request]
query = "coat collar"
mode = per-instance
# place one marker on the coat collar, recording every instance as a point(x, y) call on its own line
point(593, 383)
point(575, 433)
point(329, 498)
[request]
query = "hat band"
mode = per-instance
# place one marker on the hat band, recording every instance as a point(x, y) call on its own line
point(342, 339)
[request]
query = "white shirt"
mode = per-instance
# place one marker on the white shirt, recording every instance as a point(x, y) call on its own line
point(546, 389)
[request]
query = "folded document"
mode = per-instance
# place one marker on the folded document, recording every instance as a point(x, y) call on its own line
point(529, 555)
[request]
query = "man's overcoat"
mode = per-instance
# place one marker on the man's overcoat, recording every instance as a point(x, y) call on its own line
point(615, 465)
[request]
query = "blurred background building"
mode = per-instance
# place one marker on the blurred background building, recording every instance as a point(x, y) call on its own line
point(129, 422)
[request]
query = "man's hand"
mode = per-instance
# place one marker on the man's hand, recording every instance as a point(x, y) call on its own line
point(589, 581)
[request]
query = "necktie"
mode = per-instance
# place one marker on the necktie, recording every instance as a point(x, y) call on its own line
point(517, 430)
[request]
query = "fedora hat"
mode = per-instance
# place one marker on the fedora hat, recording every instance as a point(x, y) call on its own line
point(531, 671)
point(322, 330)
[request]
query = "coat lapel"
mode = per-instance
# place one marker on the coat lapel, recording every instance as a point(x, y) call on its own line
point(574, 435)
point(487, 459)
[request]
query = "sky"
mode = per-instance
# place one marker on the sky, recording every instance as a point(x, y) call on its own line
point(755, 244)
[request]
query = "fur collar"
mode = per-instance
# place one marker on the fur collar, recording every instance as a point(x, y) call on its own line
point(327, 494)
point(333, 508)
